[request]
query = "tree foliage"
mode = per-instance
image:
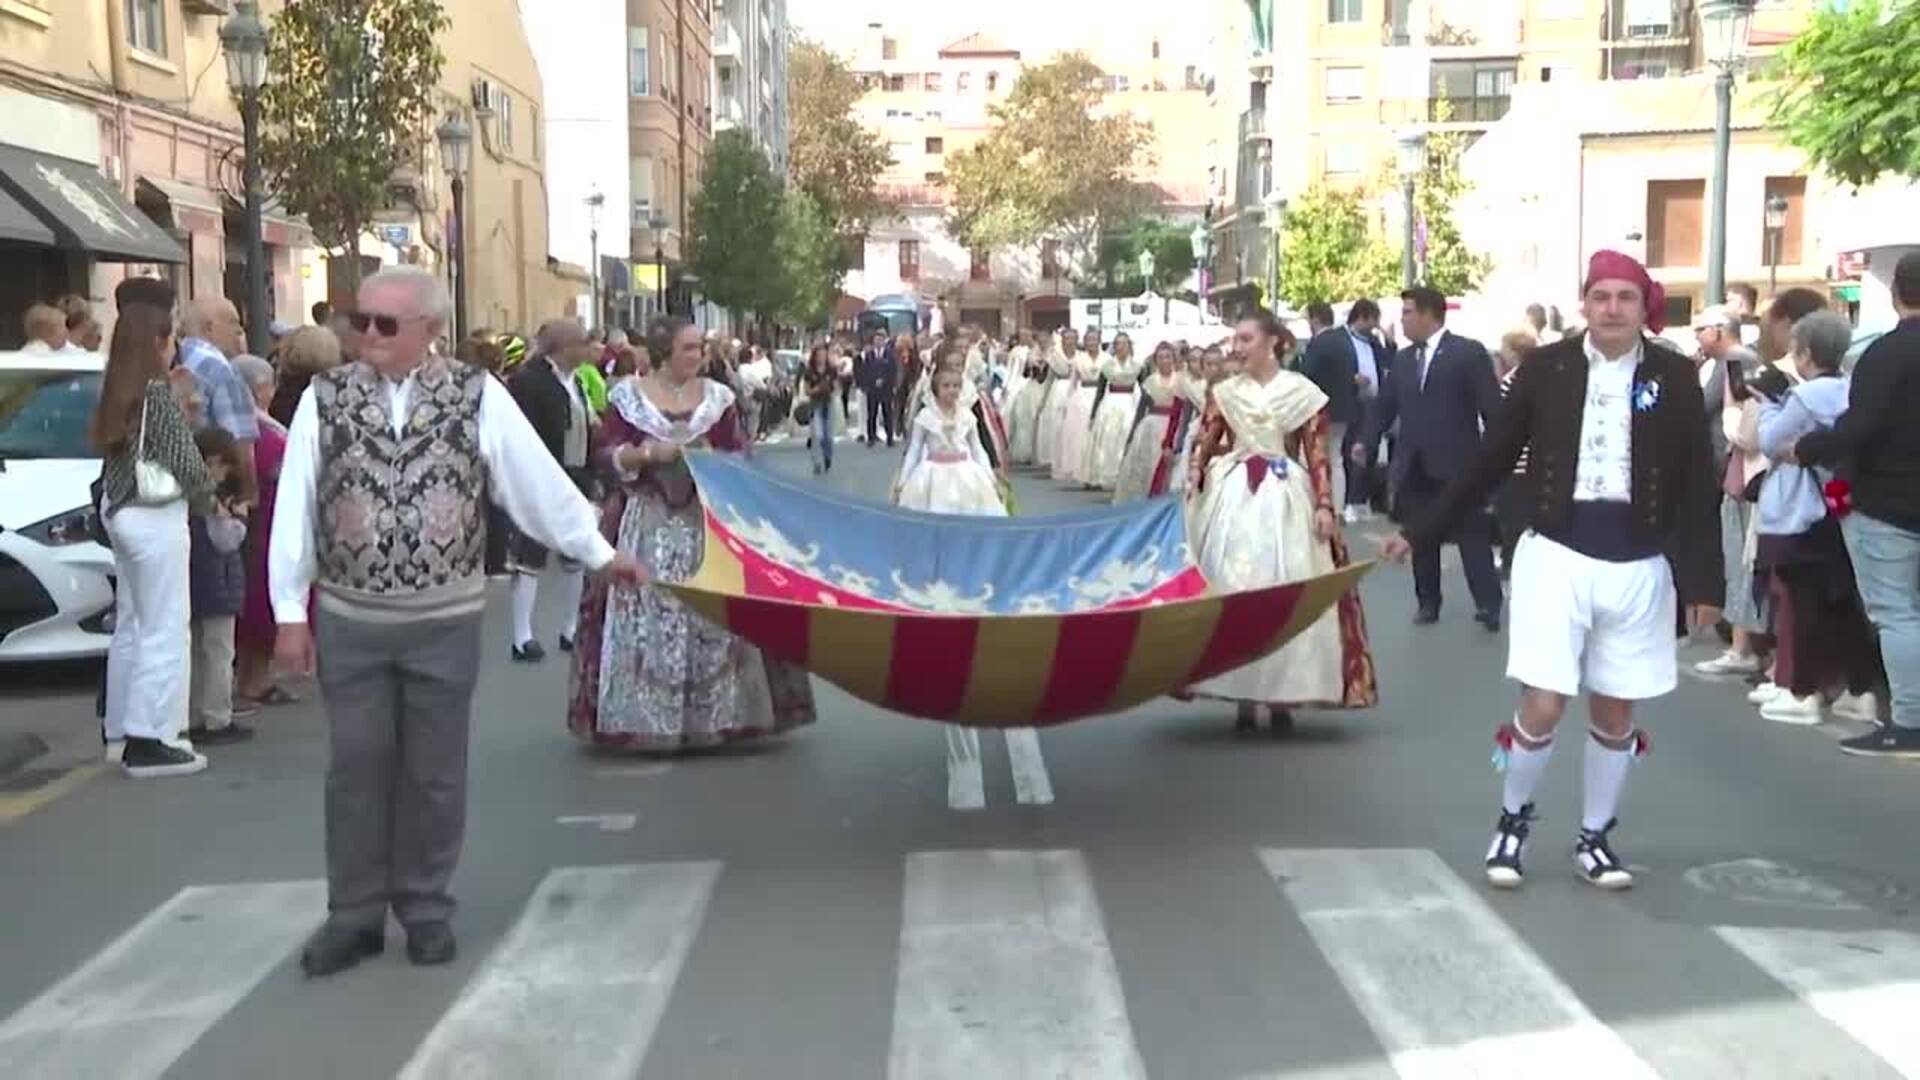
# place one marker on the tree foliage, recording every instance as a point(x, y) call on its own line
point(1850, 91)
point(734, 222)
point(1447, 263)
point(349, 94)
point(1118, 264)
point(1054, 166)
point(809, 254)
point(830, 155)
point(1330, 252)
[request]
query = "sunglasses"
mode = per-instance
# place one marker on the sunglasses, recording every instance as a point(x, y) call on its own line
point(386, 325)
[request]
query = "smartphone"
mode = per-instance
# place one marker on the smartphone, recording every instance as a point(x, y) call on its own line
point(1736, 379)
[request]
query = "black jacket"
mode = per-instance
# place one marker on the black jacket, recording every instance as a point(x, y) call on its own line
point(876, 370)
point(543, 398)
point(1329, 361)
point(1877, 440)
point(1676, 493)
point(1440, 422)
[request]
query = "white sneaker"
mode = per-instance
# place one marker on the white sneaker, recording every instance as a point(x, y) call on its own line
point(1787, 709)
point(1763, 693)
point(1863, 707)
point(1729, 663)
point(1351, 515)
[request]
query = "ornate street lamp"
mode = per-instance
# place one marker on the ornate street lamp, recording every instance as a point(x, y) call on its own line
point(455, 136)
point(1724, 26)
point(1410, 160)
point(243, 40)
point(1776, 229)
point(595, 202)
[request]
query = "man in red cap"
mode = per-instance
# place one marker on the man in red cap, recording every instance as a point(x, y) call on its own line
point(1622, 510)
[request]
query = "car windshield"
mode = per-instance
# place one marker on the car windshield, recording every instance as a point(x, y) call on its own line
point(45, 414)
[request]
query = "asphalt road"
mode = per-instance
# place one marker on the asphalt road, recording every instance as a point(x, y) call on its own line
point(1143, 894)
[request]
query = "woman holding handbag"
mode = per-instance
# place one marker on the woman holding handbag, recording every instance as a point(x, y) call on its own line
point(150, 475)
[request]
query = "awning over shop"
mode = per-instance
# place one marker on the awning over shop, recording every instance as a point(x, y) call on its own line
point(189, 207)
point(19, 223)
point(84, 211)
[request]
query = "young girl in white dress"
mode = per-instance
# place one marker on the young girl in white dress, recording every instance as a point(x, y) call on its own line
point(1148, 454)
point(946, 469)
point(1113, 418)
point(1023, 411)
point(1076, 421)
point(1053, 407)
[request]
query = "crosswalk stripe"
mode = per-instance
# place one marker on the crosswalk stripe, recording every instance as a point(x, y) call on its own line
point(1866, 982)
point(966, 784)
point(1031, 784)
point(140, 1003)
point(1447, 987)
point(1005, 970)
point(578, 986)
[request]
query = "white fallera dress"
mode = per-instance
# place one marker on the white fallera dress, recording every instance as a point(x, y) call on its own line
point(1247, 538)
point(1076, 421)
point(1053, 407)
point(946, 470)
point(1158, 395)
point(1113, 422)
point(1023, 410)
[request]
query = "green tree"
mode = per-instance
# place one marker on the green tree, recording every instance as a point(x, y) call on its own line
point(1849, 91)
point(1449, 265)
point(1329, 252)
point(809, 254)
point(830, 155)
point(350, 93)
point(1118, 265)
point(1054, 166)
point(734, 223)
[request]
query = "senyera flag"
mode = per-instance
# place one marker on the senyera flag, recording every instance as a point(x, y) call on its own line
point(984, 622)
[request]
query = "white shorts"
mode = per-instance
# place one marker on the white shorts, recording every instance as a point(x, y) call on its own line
point(1579, 621)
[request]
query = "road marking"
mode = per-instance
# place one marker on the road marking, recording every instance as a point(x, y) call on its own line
point(1031, 784)
point(578, 986)
point(1005, 971)
point(966, 787)
point(1865, 982)
point(603, 822)
point(140, 1003)
point(1447, 986)
point(17, 805)
point(635, 772)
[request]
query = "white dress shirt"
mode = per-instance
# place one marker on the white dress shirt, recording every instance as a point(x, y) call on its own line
point(1604, 472)
point(524, 478)
point(1364, 362)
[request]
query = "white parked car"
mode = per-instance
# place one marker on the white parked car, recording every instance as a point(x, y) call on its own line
point(56, 583)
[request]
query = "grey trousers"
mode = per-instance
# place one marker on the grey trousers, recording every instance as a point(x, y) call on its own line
point(398, 697)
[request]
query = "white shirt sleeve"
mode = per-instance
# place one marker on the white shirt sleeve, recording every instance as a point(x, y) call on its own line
point(531, 487)
point(290, 550)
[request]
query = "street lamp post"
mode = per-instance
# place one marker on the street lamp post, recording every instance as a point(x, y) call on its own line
point(456, 156)
point(594, 203)
point(1202, 240)
point(1776, 230)
point(244, 41)
point(657, 222)
point(1726, 24)
point(1411, 160)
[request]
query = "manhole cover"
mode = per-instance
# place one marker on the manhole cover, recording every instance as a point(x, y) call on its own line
point(1807, 887)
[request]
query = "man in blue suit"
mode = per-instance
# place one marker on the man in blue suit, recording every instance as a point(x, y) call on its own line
point(1442, 390)
point(876, 372)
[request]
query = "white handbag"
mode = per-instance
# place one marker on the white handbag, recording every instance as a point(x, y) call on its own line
point(153, 483)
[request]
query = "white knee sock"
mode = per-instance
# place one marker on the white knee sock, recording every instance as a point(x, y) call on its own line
point(526, 587)
point(1525, 765)
point(1606, 782)
point(571, 584)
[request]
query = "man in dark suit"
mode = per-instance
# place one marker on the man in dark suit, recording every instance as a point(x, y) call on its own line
point(555, 405)
point(876, 372)
point(1442, 390)
point(1347, 365)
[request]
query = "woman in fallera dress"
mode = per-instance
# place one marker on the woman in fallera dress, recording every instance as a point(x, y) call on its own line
point(1147, 448)
point(1261, 513)
point(1053, 407)
point(1076, 422)
point(1023, 409)
point(1205, 367)
point(1113, 417)
point(648, 674)
point(946, 470)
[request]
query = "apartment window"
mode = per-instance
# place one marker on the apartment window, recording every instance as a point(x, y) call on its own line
point(899, 151)
point(853, 251)
point(640, 177)
point(1792, 249)
point(889, 49)
point(993, 81)
point(963, 82)
point(1346, 83)
point(936, 178)
point(1345, 158)
point(1673, 222)
point(504, 122)
point(980, 265)
point(147, 26)
point(1156, 48)
point(1345, 11)
point(638, 73)
point(1474, 91)
point(931, 80)
point(1646, 18)
point(896, 83)
point(936, 145)
point(909, 260)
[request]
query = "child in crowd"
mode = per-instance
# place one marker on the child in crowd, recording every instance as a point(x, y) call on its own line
point(217, 585)
point(947, 470)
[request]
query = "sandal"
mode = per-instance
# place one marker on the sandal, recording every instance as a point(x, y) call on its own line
point(277, 695)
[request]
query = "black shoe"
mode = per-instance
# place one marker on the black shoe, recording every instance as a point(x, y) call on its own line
point(566, 643)
point(1280, 721)
point(1503, 855)
point(1886, 741)
point(1425, 617)
point(1246, 719)
point(1490, 620)
point(430, 943)
point(333, 949)
point(530, 653)
point(1595, 861)
point(232, 733)
point(146, 759)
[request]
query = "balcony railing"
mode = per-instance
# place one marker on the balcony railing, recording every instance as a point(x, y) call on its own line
point(1475, 110)
point(1625, 23)
point(1253, 126)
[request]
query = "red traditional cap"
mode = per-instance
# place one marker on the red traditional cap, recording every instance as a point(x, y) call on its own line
point(1619, 266)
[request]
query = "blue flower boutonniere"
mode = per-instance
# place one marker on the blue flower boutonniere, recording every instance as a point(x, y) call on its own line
point(1646, 395)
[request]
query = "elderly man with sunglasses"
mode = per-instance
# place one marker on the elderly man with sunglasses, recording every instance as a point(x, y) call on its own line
point(380, 518)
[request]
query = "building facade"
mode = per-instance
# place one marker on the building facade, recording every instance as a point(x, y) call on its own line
point(670, 127)
point(120, 149)
point(750, 39)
